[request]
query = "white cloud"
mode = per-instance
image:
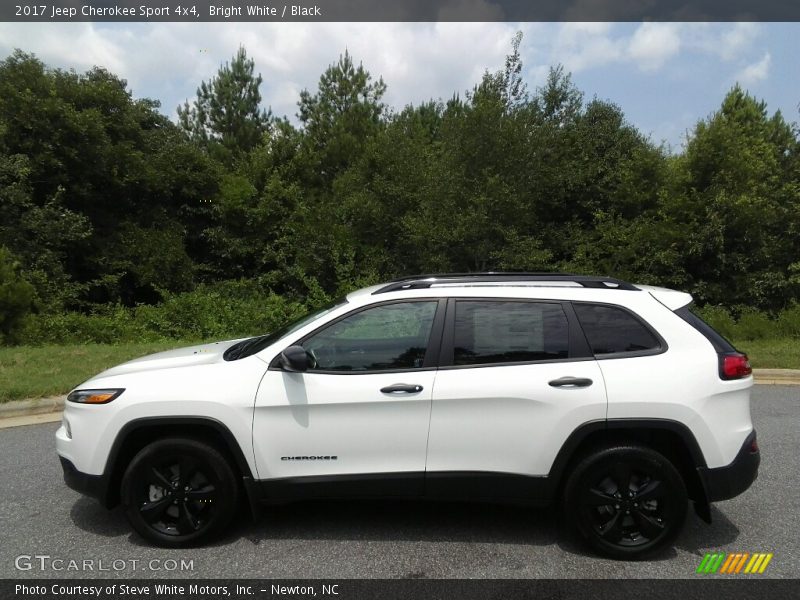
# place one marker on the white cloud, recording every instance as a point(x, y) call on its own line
point(582, 46)
point(78, 45)
point(755, 72)
point(729, 43)
point(738, 39)
point(169, 60)
point(653, 44)
point(649, 46)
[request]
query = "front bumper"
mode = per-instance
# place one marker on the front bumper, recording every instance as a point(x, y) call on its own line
point(90, 485)
point(726, 482)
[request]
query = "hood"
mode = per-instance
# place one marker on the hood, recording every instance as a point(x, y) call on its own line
point(172, 359)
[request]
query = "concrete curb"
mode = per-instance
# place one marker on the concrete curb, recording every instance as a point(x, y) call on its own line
point(53, 405)
point(9, 422)
point(33, 406)
point(777, 376)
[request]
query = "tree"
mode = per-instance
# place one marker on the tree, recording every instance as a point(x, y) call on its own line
point(344, 112)
point(559, 100)
point(16, 297)
point(507, 84)
point(737, 201)
point(81, 162)
point(338, 122)
point(41, 237)
point(227, 110)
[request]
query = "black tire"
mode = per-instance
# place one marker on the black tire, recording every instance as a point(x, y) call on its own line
point(179, 492)
point(626, 501)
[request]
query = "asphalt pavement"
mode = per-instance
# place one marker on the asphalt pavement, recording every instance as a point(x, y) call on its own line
point(47, 530)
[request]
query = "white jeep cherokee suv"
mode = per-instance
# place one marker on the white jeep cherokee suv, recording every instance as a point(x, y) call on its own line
point(515, 387)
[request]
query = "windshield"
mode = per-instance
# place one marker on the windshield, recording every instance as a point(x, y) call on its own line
point(256, 344)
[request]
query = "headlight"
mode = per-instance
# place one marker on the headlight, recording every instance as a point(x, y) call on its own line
point(94, 396)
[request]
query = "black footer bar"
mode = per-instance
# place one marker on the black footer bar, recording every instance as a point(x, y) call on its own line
point(402, 589)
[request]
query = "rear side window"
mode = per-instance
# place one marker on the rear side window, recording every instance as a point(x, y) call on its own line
point(489, 332)
point(611, 330)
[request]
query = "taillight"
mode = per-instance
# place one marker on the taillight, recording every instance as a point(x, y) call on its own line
point(734, 366)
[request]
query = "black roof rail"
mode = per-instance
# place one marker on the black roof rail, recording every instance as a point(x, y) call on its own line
point(412, 282)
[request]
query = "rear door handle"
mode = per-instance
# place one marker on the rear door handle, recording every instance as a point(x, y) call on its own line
point(571, 382)
point(402, 388)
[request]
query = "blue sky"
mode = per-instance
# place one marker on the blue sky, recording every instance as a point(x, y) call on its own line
point(665, 76)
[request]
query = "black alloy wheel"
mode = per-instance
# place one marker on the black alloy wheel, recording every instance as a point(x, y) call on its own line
point(626, 501)
point(179, 492)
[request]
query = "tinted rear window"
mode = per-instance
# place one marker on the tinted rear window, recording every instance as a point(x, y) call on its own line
point(502, 332)
point(611, 330)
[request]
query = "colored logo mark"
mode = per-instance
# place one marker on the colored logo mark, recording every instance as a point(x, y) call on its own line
point(734, 563)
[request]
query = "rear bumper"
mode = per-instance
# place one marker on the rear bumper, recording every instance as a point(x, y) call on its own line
point(729, 481)
point(90, 485)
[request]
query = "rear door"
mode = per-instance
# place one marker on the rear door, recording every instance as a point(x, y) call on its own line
point(517, 378)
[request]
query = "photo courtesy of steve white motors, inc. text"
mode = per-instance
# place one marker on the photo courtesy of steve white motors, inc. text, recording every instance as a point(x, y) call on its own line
point(171, 589)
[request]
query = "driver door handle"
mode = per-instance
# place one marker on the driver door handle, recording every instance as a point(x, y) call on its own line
point(402, 388)
point(571, 382)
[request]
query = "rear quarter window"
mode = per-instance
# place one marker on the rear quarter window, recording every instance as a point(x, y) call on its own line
point(612, 330)
point(721, 345)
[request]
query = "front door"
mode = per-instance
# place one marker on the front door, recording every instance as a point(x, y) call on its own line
point(359, 416)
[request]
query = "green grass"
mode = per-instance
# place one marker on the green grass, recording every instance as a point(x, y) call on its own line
point(772, 354)
point(41, 371)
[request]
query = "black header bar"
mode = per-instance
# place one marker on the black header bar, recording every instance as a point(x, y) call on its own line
point(42, 11)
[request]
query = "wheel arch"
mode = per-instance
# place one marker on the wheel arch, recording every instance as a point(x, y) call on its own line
point(671, 438)
point(136, 434)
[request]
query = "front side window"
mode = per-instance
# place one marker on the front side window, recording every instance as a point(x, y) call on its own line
point(501, 332)
point(390, 336)
point(611, 330)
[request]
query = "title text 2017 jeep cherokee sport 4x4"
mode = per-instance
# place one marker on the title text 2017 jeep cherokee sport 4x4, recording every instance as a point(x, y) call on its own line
point(515, 387)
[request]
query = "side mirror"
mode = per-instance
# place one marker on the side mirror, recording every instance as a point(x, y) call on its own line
point(294, 359)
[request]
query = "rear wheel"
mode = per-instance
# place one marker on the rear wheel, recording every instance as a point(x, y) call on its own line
point(626, 501)
point(179, 492)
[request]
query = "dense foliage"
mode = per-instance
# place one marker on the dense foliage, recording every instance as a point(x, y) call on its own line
point(108, 207)
point(16, 297)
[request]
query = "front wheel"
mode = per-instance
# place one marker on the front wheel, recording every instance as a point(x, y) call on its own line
point(179, 492)
point(626, 501)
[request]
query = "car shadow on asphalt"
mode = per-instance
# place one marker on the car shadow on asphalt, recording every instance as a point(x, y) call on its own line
point(695, 538)
point(88, 515)
point(417, 521)
point(358, 520)
point(698, 536)
point(405, 521)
